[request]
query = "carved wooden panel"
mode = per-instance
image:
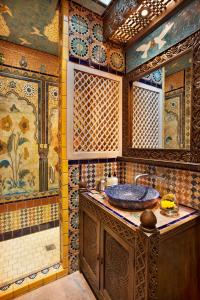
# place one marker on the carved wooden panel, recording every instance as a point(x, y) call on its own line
point(117, 226)
point(123, 20)
point(90, 245)
point(94, 113)
point(190, 44)
point(116, 269)
point(128, 265)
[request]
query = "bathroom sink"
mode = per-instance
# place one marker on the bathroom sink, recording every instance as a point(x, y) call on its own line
point(133, 197)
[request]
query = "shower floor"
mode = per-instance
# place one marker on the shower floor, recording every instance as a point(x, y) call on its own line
point(25, 255)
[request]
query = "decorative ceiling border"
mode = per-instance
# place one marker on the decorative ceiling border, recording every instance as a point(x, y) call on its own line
point(124, 23)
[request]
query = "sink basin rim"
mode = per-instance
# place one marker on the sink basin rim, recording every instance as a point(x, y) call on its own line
point(134, 204)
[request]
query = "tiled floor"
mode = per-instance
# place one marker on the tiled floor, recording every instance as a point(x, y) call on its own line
point(72, 287)
point(25, 255)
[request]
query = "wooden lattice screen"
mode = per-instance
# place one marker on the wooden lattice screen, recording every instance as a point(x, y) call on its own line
point(94, 107)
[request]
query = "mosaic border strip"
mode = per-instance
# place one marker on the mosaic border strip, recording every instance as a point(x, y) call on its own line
point(31, 276)
point(28, 230)
point(27, 196)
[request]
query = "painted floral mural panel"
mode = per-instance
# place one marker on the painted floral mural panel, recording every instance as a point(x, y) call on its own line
point(19, 159)
point(53, 163)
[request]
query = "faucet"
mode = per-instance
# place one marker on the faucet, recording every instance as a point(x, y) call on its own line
point(137, 177)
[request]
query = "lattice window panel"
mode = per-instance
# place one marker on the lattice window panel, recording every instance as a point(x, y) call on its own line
point(146, 118)
point(136, 23)
point(96, 114)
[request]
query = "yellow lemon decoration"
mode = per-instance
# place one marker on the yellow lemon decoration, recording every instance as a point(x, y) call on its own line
point(169, 205)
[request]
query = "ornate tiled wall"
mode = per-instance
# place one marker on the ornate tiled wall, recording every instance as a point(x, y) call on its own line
point(90, 172)
point(29, 59)
point(27, 207)
point(26, 217)
point(86, 41)
point(24, 125)
point(185, 184)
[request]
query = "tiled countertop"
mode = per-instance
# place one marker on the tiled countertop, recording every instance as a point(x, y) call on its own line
point(133, 217)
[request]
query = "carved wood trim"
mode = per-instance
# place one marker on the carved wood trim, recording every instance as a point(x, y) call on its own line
point(124, 24)
point(115, 225)
point(192, 44)
point(146, 265)
point(153, 254)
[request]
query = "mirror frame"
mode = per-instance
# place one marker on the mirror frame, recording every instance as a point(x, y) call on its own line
point(190, 44)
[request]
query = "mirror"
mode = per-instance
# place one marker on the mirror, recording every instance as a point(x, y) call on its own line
point(161, 106)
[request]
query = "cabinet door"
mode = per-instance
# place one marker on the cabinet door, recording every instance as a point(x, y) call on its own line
point(89, 248)
point(117, 267)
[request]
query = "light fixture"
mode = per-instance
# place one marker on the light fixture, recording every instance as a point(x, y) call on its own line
point(144, 12)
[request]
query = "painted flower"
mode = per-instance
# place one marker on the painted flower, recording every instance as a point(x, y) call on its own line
point(3, 147)
point(24, 125)
point(6, 123)
point(97, 32)
point(12, 84)
point(54, 93)
point(29, 90)
point(99, 54)
point(79, 24)
point(79, 47)
point(117, 60)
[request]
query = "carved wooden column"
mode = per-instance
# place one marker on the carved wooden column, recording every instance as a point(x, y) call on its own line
point(146, 258)
point(43, 150)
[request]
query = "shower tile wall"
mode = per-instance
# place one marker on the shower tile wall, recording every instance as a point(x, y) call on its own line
point(29, 213)
point(26, 217)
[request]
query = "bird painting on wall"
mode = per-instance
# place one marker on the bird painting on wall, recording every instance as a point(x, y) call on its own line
point(24, 41)
point(159, 39)
point(36, 31)
point(156, 41)
point(4, 9)
point(144, 48)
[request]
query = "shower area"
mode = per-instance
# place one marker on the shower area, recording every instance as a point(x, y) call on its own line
point(29, 166)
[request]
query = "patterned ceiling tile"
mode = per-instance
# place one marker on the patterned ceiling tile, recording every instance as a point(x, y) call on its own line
point(33, 24)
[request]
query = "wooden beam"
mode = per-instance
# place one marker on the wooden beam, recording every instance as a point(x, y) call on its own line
point(117, 14)
point(157, 21)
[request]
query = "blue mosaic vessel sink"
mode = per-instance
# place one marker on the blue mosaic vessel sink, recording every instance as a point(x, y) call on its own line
point(132, 197)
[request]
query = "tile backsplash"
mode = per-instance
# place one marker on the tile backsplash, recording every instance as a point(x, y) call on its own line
point(185, 184)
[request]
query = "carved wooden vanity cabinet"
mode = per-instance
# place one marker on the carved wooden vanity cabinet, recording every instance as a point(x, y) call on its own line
point(122, 262)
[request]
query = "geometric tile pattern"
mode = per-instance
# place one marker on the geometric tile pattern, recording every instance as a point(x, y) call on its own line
point(145, 120)
point(183, 183)
point(27, 217)
point(90, 172)
point(28, 254)
point(86, 41)
point(188, 95)
point(96, 113)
